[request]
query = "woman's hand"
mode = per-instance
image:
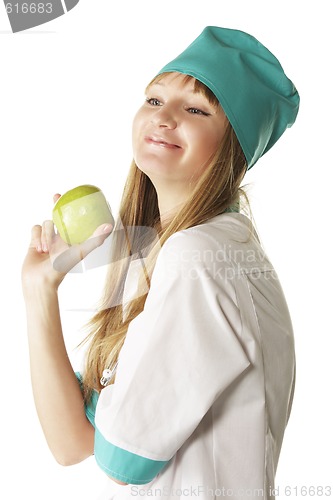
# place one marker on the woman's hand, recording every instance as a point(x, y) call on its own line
point(49, 258)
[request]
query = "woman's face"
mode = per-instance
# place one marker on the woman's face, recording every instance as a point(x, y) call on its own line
point(176, 131)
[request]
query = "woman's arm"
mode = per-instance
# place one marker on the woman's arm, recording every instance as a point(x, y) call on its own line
point(57, 393)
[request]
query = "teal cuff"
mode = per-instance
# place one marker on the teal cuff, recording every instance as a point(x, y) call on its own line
point(90, 408)
point(124, 465)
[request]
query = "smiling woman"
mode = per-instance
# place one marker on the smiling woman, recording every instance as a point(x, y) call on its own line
point(190, 369)
point(175, 135)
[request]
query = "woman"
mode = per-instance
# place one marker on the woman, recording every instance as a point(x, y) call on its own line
point(189, 375)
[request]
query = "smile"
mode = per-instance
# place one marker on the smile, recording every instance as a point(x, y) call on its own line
point(155, 141)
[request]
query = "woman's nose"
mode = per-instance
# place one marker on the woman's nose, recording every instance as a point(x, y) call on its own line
point(164, 117)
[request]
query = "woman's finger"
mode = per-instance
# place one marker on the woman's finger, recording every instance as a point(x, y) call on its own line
point(47, 235)
point(36, 232)
point(56, 197)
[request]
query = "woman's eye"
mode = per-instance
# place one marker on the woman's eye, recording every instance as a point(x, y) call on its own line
point(196, 111)
point(153, 101)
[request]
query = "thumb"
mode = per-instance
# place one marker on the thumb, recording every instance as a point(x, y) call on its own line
point(66, 260)
point(96, 239)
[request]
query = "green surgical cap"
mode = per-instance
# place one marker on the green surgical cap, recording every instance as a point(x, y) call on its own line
point(249, 82)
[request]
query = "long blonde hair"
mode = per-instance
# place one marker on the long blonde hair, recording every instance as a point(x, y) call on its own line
point(215, 191)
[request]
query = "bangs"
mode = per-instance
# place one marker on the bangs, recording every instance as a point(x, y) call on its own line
point(199, 87)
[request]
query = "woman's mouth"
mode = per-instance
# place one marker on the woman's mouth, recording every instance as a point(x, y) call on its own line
point(159, 142)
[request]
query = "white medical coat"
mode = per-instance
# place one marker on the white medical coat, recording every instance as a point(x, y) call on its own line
point(205, 378)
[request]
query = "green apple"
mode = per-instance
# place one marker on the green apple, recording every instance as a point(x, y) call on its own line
point(79, 211)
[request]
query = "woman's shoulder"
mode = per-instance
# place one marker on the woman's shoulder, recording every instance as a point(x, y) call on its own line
point(228, 228)
point(228, 238)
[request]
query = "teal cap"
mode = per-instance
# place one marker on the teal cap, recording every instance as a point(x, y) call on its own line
point(249, 82)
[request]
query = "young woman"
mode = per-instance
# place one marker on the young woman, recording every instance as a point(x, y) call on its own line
point(189, 375)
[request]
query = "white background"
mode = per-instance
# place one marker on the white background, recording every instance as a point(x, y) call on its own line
point(69, 90)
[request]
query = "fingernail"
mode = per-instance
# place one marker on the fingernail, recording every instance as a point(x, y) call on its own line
point(107, 228)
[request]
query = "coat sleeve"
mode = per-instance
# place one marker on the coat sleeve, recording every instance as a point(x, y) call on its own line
point(179, 355)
